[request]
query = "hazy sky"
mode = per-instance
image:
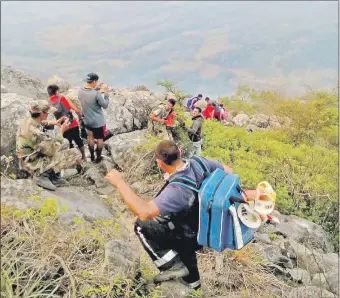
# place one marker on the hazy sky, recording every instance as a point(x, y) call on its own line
point(207, 47)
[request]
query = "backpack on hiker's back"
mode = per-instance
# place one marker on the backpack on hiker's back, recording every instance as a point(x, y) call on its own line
point(225, 219)
point(61, 110)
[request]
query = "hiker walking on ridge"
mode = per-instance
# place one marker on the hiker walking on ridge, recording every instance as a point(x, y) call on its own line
point(40, 155)
point(64, 108)
point(195, 100)
point(92, 103)
point(167, 226)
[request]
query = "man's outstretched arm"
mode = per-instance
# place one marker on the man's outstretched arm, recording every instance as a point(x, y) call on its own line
point(142, 209)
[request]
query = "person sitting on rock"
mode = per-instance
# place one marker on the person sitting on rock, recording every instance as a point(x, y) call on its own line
point(41, 155)
point(167, 226)
point(166, 116)
point(64, 108)
point(92, 103)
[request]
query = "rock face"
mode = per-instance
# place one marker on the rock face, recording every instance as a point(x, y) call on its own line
point(128, 110)
point(121, 147)
point(14, 108)
point(240, 119)
point(300, 251)
point(21, 194)
point(22, 83)
point(304, 232)
point(62, 84)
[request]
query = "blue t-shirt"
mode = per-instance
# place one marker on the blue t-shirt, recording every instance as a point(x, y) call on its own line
point(175, 198)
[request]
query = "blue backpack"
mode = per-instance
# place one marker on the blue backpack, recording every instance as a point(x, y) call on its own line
point(219, 196)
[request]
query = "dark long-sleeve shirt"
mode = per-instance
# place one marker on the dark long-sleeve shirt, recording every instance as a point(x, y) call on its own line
point(195, 131)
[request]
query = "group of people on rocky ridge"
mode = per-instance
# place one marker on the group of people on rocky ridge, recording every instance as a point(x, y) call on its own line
point(210, 109)
point(167, 226)
point(40, 147)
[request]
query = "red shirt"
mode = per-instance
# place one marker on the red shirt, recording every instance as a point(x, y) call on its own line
point(170, 120)
point(209, 112)
point(63, 100)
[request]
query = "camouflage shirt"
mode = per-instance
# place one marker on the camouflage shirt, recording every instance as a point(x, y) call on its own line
point(34, 144)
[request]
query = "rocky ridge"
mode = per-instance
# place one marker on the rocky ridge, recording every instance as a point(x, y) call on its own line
point(295, 253)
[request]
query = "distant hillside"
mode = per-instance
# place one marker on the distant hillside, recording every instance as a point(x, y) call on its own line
point(210, 47)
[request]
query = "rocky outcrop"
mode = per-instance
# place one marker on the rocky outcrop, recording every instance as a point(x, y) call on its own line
point(22, 83)
point(240, 119)
point(14, 108)
point(62, 84)
point(121, 147)
point(23, 194)
point(255, 122)
point(300, 251)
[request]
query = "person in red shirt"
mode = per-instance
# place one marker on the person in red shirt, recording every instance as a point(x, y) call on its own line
point(64, 108)
point(166, 116)
point(209, 111)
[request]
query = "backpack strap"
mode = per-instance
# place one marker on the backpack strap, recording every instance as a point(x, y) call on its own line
point(185, 182)
point(200, 162)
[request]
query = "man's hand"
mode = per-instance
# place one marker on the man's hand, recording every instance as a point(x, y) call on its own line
point(58, 122)
point(104, 88)
point(65, 126)
point(114, 177)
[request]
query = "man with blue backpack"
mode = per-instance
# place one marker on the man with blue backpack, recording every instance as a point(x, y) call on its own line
point(168, 226)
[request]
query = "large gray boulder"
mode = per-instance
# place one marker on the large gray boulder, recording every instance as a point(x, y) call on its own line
point(328, 281)
point(240, 119)
point(122, 147)
point(128, 110)
point(24, 193)
point(62, 84)
point(14, 108)
point(21, 83)
point(301, 231)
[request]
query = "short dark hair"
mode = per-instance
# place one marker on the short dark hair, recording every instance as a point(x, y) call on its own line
point(52, 90)
point(199, 109)
point(172, 101)
point(35, 115)
point(199, 95)
point(168, 152)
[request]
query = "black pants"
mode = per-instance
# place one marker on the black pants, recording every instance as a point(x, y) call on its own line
point(166, 247)
point(73, 134)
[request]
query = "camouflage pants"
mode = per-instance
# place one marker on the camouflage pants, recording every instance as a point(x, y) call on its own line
point(63, 159)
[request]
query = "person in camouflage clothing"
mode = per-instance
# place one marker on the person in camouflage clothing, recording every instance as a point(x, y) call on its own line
point(163, 120)
point(42, 154)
